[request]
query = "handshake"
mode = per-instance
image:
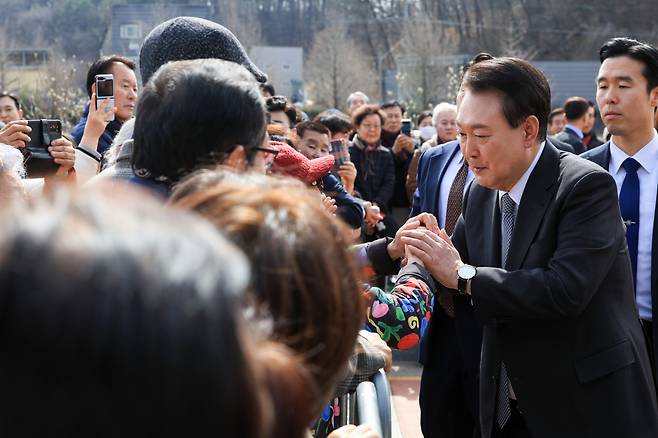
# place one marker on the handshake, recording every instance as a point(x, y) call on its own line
point(421, 241)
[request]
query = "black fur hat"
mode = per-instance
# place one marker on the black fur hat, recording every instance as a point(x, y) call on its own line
point(192, 38)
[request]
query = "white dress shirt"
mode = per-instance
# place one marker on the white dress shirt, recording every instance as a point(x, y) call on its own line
point(446, 183)
point(648, 176)
point(578, 131)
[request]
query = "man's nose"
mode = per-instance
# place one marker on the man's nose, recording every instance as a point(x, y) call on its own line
point(468, 147)
point(610, 95)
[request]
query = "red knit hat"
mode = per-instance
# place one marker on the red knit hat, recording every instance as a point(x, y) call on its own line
point(292, 163)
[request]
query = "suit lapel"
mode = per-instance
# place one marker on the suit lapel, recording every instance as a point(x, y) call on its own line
point(535, 201)
point(601, 156)
point(439, 162)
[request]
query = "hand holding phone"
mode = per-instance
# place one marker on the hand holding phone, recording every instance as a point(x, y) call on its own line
point(338, 149)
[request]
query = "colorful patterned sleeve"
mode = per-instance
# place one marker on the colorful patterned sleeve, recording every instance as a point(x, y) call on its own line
point(401, 316)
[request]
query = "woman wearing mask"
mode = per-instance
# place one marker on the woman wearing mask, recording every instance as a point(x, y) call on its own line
point(445, 125)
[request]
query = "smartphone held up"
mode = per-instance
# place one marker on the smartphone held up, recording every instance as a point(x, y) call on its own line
point(105, 95)
point(341, 154)
point(406, 127)
point(38, 161)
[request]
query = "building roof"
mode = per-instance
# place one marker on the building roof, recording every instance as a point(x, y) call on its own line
point(131, 23)
point(570, 78)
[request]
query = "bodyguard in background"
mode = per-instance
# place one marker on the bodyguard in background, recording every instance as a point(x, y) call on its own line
point(627, 96)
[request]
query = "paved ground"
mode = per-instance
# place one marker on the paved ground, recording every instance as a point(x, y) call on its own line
point(405, 385)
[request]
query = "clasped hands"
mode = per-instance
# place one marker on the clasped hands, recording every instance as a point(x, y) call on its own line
point(421, 241)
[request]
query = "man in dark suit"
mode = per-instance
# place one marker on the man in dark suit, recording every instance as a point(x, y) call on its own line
point(450, 352)
point(540, 251)
point(450, 349)
point(580, 120)
point(627, 94)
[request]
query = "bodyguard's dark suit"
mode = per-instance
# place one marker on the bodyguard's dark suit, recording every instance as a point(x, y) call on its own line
point(450, 349)
point(562, 314)
point(601, 156)
point(571, 138)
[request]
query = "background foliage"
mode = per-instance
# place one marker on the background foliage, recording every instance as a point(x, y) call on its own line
point(348, 43)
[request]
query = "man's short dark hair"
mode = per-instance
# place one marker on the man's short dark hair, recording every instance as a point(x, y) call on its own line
point(193, 114)
point(336, 121)
point(281, 103)
point(556, 112)
point(524, 89)
point(103, 66)
point(482, 56)
point(393, 104)
point(575, 107)
point(12, 97)
point(311, 126)
point(639, 51)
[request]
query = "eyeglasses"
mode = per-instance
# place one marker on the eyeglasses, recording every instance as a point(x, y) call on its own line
point(269, 154)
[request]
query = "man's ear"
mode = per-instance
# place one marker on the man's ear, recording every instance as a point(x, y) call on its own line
point(653, 97)
point(237, 159)
point(531, 131)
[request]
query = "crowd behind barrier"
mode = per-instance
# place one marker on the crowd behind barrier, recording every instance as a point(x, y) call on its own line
point(202, 257)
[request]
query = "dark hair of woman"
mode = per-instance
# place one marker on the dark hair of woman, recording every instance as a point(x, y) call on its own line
point(120, 317)
point(193, 114)
point(366, 110)
point(422, 116)
point(336, 121)
point(303, 273)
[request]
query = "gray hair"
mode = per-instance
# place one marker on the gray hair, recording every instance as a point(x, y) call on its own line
point(443, 107)
point(125, 133)
point(355, 95)
point(11, 161)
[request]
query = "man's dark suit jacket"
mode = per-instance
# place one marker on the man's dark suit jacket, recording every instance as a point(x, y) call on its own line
point(450, 349)
point(571, 138)
point(431, 168)
point(566, 147)
point(562, 313)
point(601, 156)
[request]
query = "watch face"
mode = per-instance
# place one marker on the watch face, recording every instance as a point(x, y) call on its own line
point(467, 272)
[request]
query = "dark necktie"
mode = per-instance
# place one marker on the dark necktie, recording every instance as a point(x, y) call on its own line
point(508, 208)
point(453, 210)
point(629, 204)
point(455, 197)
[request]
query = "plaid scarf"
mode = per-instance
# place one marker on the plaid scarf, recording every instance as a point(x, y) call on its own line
point(368, 163)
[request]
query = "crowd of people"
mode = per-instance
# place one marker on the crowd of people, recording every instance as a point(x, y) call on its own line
point(212, 259)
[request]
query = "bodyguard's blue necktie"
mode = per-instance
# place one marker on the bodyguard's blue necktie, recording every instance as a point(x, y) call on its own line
point(629, 204)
